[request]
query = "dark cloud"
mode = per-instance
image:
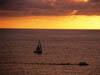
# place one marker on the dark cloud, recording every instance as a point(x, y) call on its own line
point(47, 7)
point(95, 1)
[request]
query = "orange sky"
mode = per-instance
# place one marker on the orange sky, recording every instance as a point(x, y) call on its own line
point(51, 22)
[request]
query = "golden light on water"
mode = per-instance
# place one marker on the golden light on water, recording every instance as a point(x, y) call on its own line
point(52, 22)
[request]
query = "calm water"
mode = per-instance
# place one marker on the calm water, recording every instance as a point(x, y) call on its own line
point(17, 55)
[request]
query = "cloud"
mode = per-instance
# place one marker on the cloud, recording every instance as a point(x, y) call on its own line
point(95, 1)
point(47, 7)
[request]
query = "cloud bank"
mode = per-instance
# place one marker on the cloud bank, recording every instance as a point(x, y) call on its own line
point(48, 7)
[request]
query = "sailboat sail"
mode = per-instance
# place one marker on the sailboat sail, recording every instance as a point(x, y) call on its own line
point(38, 48)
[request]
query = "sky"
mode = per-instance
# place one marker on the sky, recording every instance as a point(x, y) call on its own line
point(49, 7)
point(52, 22)
point(50, 14)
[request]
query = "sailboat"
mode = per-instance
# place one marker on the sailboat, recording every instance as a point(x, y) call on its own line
point(38, 48)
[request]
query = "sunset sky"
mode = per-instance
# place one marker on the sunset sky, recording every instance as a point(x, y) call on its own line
point(50, 14)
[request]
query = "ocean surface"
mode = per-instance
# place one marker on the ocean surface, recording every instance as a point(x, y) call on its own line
point(63, 50)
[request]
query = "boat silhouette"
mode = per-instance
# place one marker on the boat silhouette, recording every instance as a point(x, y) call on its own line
point(38, 48)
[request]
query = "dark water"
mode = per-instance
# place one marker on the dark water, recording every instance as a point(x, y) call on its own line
point(60, 47)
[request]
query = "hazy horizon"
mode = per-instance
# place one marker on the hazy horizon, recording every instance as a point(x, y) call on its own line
point(51, 22)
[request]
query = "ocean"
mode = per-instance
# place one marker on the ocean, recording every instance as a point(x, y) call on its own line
point(62, 51)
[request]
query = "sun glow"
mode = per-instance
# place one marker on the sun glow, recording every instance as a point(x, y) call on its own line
point(52, 22)
point(81, 1)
